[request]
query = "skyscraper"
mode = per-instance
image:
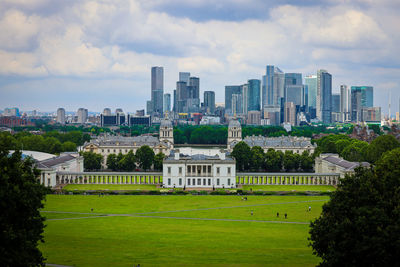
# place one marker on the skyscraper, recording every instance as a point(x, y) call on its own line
point(181, 96)
point(273, 86)
point(290, 113)
point(167, 103)
point(254, 98)
point(237, 104)
point(324, 96)
point(344, 103)
point(336, 103)
point(361, 97)
point(61, 116)
point(157, 89)
point(294, 94)
point(229, 91)
point(245, 97)
point(184, 77)
point(209, 101)
point(311, 83)
point(82, 115)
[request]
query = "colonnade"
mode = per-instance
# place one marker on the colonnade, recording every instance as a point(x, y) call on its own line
point(108, 178)
point(287, 179)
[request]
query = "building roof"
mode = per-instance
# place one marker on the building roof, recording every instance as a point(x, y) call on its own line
point(234, 123)
point(278, 142)
point(347, 165)
point(199, 157)
point(125, 141)
point(49, 163)
point(166, 123)
point(36, 155)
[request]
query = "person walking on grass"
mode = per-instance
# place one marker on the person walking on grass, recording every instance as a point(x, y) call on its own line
point(277, 215)
point(309, 208)
point(251, 213)
point(285, 215)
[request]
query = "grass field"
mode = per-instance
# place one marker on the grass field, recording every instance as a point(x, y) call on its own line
point(179, 230)
point(300, 188)
point(110, 187)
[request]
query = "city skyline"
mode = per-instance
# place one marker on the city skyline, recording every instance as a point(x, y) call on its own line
point(68, 56)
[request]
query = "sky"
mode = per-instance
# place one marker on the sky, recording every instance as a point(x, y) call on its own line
point(98, 54)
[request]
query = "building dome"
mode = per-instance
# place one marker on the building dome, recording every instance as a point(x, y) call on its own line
point(234, 123)
point(166, 123)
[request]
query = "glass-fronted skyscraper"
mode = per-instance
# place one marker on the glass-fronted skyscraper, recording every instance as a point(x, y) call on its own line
point(324, 96)
point(229, 91)
point(209, 101)
point(311, 83)
point(336, 103)
point(167, 103)
point(254, 97)
point(361, 97)
point(157, 89)
point(273, 86)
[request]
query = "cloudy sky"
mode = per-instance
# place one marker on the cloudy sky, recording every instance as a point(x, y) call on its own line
point(98, 54)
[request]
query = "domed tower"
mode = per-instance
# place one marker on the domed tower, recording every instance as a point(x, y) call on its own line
point(234, 133)
point(166, 132)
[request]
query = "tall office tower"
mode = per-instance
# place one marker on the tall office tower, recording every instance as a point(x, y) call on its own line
point(311, 83)
point(344, 103)
point(194, 82)
point(181, 96)
point(245, 97)
point(295, 94)
point(82, 115)
point(324, 96)
point(107, 112)
point(229, 91)
point(157, 89)
point(184, 77)
point(193, 95)
point(175, 107)
point(371, 114)
point(149, 107)
point(290, 113)
point(293, 79)
point(167, 103)
point(273, 86)
point(61, 116)
point(336, 103)
point(237, 104)
point(361, 97)
point(254, 98)
point(209, 102)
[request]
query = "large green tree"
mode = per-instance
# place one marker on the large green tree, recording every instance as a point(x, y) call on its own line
point(306, 161)
point(380, 145)
point(127, 163)
point(291, 161)
point(112, 162)
point(21, 198)
point(158, 161)
point(356, 151)
point(257, 158)
point(92, 161)
point(145, 157)
point(273, 161)
point(242, 154)
point(360, 225)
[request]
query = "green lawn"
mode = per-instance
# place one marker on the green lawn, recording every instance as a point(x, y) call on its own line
point(301, 188)
point(110, 187)
point(176, 241)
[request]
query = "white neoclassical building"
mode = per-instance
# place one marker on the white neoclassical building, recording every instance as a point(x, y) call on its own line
point(332, 163)
point(107, 145)
point(199, 171)
point(284, 143)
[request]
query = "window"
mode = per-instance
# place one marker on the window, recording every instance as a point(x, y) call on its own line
point(188, 182)
point(229, 181)
point(169, 170)
point(188, 169)
point(180, 181)
point(108, 150)
point(209, 181)
point(209, 169)
point(217, 170)
point(198, 181)
point(217, 181)
point(204, 168)
point(229, 170)
point(102, 150)
point(194, 181)
point(204, 182)
point(169, 181)
point(114, 150)
point(180, 170)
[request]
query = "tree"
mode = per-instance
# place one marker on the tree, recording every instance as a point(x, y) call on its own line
point(158, 161)
point(68, 146)
point(257, 158)
point(242, 154)
point(306, 161)
point(273, 160)
point(360, 225)
point(380, 145)
point(21, 198)
point(145, 157)
point(127, 163)
point(112, 162)
point(92, 161)
point(356, 151)
point(291, 161)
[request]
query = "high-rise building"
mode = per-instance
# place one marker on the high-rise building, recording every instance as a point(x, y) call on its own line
point(237, 104)
point(184, 77)
point(344, 103)
point(361, 96)
point(157, 89)
point(194, 82)
point(229, 91)
point(11, 112)
point(273, 86)
point(175, 107)
point(209, 102)
point(254, 117)
point(290, 113)
point(245, 97)
point(336, 103)
point(272, 114)
point(371, 114)
point(254, 98)
point(293, 79)
point(61, 116)
point(82, 115)
point(295, 94)
point(149, 107)
point(107, 112)
point(311, 83)
point(167, 103)
point(324, 96)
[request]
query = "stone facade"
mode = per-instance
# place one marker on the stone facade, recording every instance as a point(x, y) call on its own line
point(332, 163)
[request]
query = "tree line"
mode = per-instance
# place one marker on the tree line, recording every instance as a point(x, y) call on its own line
point(144, 158)
point(255, 159)
point(52, 142)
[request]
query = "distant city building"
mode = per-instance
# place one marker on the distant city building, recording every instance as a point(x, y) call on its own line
point(237, 102)
point(311, 83)
point(157, 89)
point(139, 120)
point(208, 120)
point(245, 97)
point(324, 96)
point(290, 113)
point(371, 114)
point(167, 103)
point(209, 102)
point(140, 112)
point(254, 98)
point(61, 116)
point(119, 110)
point(184, 77)
point(107, 112)
point(82, 114)
point(272, 114)
point(345, 102)
point(11, 112)
point(254, 117)
point(149, 107)
point(361, 96)
point(294, 94)
point(273, 86)
point(229, 91)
